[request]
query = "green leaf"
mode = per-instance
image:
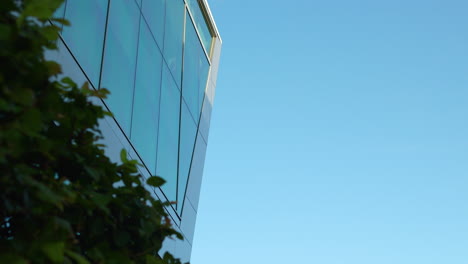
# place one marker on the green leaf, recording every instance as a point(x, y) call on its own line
point(155, 181)
point(54, 67)
point(50, 32)
point(5, 32)
point(85, 88)
point(122, 238)
point(92, 172)
point(62, 224)
point(76, 257)
point(61, 21)
point(102, 93)
point(153, 260)
point(68, 81)
point(123, 155)
point(31, 121)
point(46, 194)
point(54, 251)
point(12, 259)
point(101, 201)
point(23, 96)
point(179, 236)
point(107, 113)
point(41, 9)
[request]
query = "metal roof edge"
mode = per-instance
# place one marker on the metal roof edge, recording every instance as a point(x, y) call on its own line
point(210, 17)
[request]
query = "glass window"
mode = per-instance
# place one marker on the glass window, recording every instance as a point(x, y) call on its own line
point(202, 26)
point(188, 132)
point(85, 36)
point(146, 101)
point(168, 140)
point(119, 59)
point(195, 71)
point(154, 12)
point(173, 37)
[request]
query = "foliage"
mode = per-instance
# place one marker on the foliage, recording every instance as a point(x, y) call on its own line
point(61, 199)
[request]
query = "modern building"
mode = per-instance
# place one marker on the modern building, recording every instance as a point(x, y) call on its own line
point(159, 59)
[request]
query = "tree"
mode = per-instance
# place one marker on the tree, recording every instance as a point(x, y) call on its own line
point(61, 199)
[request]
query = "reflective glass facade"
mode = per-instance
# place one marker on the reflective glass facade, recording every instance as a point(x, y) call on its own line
point(159, 59)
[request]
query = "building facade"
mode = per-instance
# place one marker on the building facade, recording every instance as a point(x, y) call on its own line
point(159, 59)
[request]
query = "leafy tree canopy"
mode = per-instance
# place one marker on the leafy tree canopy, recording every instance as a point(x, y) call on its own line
point(61, 199)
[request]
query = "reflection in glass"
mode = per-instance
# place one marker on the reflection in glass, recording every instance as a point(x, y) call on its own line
point(196, 172)
point(204, 125)
point(119, 59)
point(188, 132)
point(195, 71)
point(173, 37)
point(168, 141)
point(146, 102)
point(85, 36)
point(154, 12)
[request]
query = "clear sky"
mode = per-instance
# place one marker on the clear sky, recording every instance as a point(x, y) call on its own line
point(339, 134)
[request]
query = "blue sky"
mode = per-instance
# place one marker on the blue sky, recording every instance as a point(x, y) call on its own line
point(339, 134)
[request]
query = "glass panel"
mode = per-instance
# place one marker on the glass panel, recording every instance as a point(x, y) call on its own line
point(146, 103)
point(195, 71)
point(188, 131)
point(173, 37)
point(202, 26)
point(196, 172)
point(168, 141)
point(85, 36)
point(154, 12)
point(119, 59)
point(187, 225)
point(203, 68)
point(205, 119)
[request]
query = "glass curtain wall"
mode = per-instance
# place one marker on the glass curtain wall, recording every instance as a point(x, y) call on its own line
point(85, 38)
point(136, 50)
